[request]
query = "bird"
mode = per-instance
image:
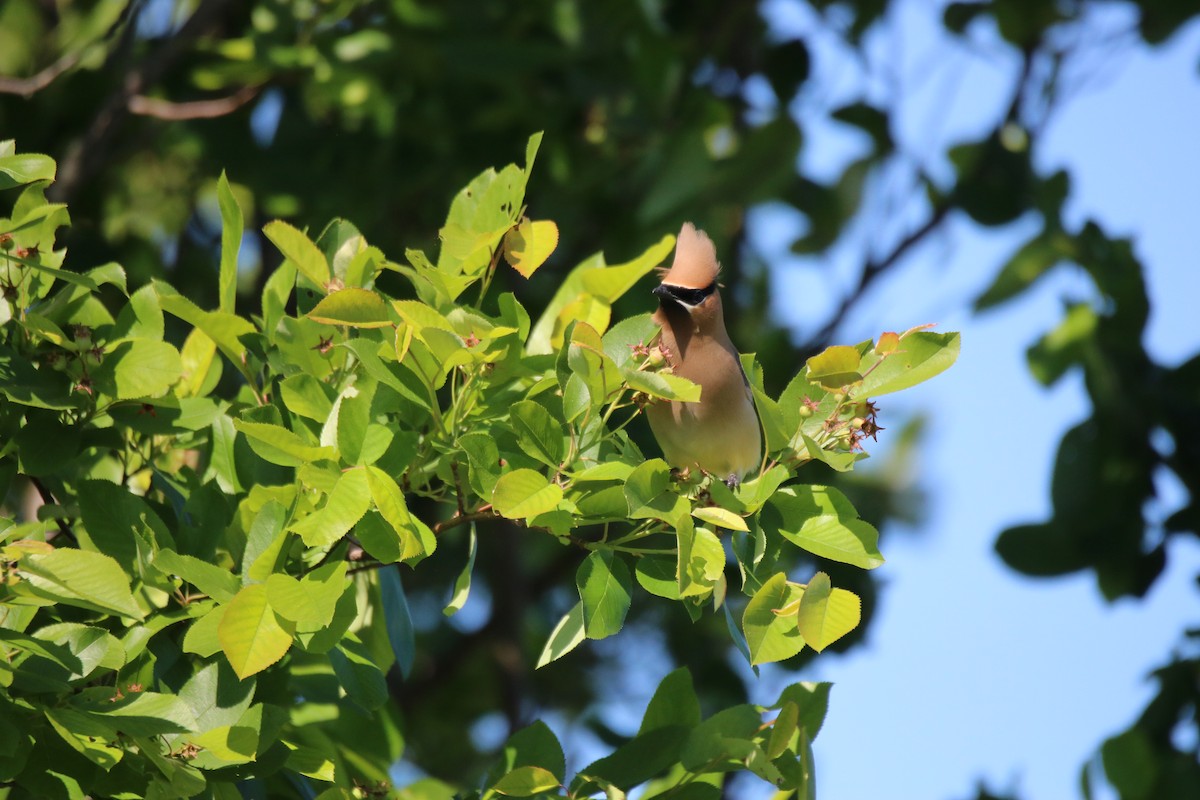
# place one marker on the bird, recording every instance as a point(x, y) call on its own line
point(720, 433)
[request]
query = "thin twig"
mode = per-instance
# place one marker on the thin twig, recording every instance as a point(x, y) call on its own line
point(28, 87)
point(462, 519)
point(872, 271)
point(85, 155)
point(194, 109)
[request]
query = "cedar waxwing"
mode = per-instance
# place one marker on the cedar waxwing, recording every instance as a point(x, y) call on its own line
point(720, 433)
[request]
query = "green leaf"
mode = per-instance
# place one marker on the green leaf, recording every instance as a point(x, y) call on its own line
point(414, 536)
point(345, 505)
point(85, 736)
point(119, 524)
point(524, 493)
point(232, 227)
point(725, 735)
point(16, 170)
point(526, 782)
point(140, 713)
point(533, 745)
point(311, 600)
point(81, 578)
point(658, 576)
point(252, 635)
point(826, 614)
point(645, 486)
point(398, 620)
point(539, 434)
point(305, 395)
point(300, 250)
point(137, 368)
point(219, 584)
point(203, 637)
point(822, 521)
point(358, 675)
point(1130, 763)
point(565, 637)
point(264, 541)
point(462, 584)
point(635, 762)
point(921, 356)
point(592, 283)
point(216, 696)
point(674, 703)
point(720, 517)
point(358, 308)
point(661, 384)
point(278, 445)
point(770, 636)
point(813, 701)
point(605, 589)
point(835, 367)
point(701, 560)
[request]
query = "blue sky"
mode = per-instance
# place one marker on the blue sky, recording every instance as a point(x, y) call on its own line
point(972, 672)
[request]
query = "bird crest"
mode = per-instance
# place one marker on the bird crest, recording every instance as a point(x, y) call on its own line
point(695, 265)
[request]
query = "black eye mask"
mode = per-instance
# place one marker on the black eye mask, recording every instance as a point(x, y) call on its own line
point(684, 296)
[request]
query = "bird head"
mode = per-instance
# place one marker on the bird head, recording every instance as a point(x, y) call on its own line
point(690, 285)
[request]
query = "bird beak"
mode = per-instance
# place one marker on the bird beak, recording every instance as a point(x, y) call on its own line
point(663, 291)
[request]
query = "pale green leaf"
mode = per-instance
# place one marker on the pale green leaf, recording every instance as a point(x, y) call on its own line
point(252, 635)
point(300, 250)
point(826, 614)
point(232, 227)
point(527, 246)
point(278, 445)
point(772, 636)
point(524, 493)
point(565, 637)
point(81, 578)
point(357, 308)
point(720, 517)
point(137, 368)
point(462, 584)
point(920, 356)
point(219, 584)
point(345, 505)
point(661, 384)
point(526, 781)
point(835, 367)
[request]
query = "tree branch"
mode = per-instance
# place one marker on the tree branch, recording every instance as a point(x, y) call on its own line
point(85, 155)
point(873, 269)
point(196, 109)
point(28, 87)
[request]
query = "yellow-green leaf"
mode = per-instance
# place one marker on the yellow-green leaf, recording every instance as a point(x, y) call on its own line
point(826, 614)
point(358, 308)
point(279, 445)
point(720, 517)
point(526, 781)
point(347, 502)
point(772, 636)
point(81, 578)
point(300, 250)
point(527, 246)
point(836, 367)
point(524, 493)
point(565, 637)
point(252, 635)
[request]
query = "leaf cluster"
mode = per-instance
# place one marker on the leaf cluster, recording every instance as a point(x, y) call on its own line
point(210, 590)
